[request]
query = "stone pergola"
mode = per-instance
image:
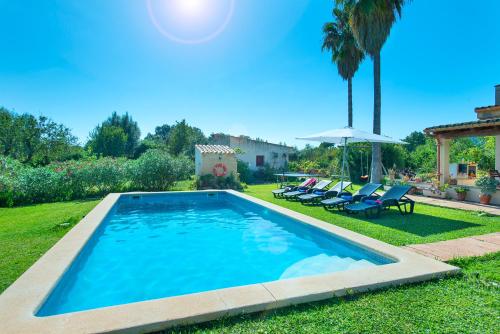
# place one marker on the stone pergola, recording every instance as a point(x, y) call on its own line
point(488, 124)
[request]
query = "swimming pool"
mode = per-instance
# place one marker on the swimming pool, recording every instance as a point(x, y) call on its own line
point(174, 244)
point(143, 262)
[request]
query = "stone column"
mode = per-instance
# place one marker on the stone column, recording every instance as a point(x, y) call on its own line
point(497, 152)
point(444, 160)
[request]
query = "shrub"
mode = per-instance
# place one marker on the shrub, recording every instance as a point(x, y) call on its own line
point(6, 194)
point(103, 176)
point(93, 177)
point(265, 174)
point(38, 185)
point(262, 174)
point(154, 170)
point(246, 174)
point(9, 166)
point(210, 181)
point(158, 170)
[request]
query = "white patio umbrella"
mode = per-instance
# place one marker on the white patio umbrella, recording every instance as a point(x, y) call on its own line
point(348, 135)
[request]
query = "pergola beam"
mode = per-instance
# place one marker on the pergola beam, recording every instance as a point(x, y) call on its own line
point(467, 132)
point(444, 135)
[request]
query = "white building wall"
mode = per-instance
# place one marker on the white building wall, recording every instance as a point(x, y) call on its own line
point(197, 162)
point(205, 162)
point(274, 155)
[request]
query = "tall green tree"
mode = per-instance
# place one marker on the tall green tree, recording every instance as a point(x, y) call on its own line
point(56, 142)
point(8, 131)
point(162, 132)
point(339, 40)
point(414, 139)
point(129, 127)
point(108, 131)
point(37, 141)
point(108, 141)
point(371, 22)
point(182, 138)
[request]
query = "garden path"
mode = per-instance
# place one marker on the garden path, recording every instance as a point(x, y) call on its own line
point(469, 206)
point(463, 247)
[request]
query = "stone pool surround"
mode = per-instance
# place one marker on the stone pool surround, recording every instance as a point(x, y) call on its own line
point(21, 300)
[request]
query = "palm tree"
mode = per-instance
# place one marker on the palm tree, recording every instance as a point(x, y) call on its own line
point(371, 22)
point(338, 39)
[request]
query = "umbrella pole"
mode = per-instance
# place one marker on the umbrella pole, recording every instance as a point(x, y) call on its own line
point(343, 164)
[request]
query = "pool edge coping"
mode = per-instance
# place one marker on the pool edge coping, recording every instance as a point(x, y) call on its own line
point(20, 301)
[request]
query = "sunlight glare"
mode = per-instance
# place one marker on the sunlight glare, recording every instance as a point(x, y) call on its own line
point(191, 8)
point(190, 21)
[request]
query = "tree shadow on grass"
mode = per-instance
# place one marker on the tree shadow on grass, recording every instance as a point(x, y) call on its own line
point(419, 224)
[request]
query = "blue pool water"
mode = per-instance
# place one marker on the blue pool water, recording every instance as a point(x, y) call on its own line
point(166, 245)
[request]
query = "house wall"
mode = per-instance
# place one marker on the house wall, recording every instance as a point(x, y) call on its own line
point(205, 162)
point(275, 155)
point(197, 162)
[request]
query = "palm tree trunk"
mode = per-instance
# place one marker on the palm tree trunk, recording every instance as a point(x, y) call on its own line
point(349, 102)
point(376, 173)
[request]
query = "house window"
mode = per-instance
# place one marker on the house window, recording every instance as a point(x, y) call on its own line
point(259, 161)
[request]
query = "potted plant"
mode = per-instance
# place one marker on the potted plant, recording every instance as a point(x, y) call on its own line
point(461, 192)
point(488, 187)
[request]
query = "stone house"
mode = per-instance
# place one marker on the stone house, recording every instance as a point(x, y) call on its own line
point(256, 153)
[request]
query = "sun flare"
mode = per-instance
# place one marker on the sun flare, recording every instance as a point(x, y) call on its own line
point(190, 8)
point(190, 21)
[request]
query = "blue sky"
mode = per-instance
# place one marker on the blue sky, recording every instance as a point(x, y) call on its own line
point(264, 75)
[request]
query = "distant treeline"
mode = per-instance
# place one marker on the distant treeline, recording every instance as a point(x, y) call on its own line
point(41, 141)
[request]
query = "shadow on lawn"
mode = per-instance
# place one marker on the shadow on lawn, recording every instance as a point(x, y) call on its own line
point(417, 223)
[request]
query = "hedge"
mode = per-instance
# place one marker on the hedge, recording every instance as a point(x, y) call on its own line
point(155, 170)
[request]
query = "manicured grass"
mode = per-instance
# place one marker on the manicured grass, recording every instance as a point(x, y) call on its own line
point(463, 304)
point(26, 233)
point(427, 224)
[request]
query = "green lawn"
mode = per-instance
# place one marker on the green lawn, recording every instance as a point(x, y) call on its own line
point(426, 224)
point(28, 232)
point(465, 304)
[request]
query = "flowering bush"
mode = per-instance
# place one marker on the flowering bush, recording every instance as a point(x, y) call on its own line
point(154, 170)
point(38, 185)
point(6, 194)
point(157, 170)
point(210, 181)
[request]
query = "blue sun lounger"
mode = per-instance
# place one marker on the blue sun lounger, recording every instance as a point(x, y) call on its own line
point(278, 193)
point(346, 197)
point(317, 195)
point(295, 194)
point(396, 196)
